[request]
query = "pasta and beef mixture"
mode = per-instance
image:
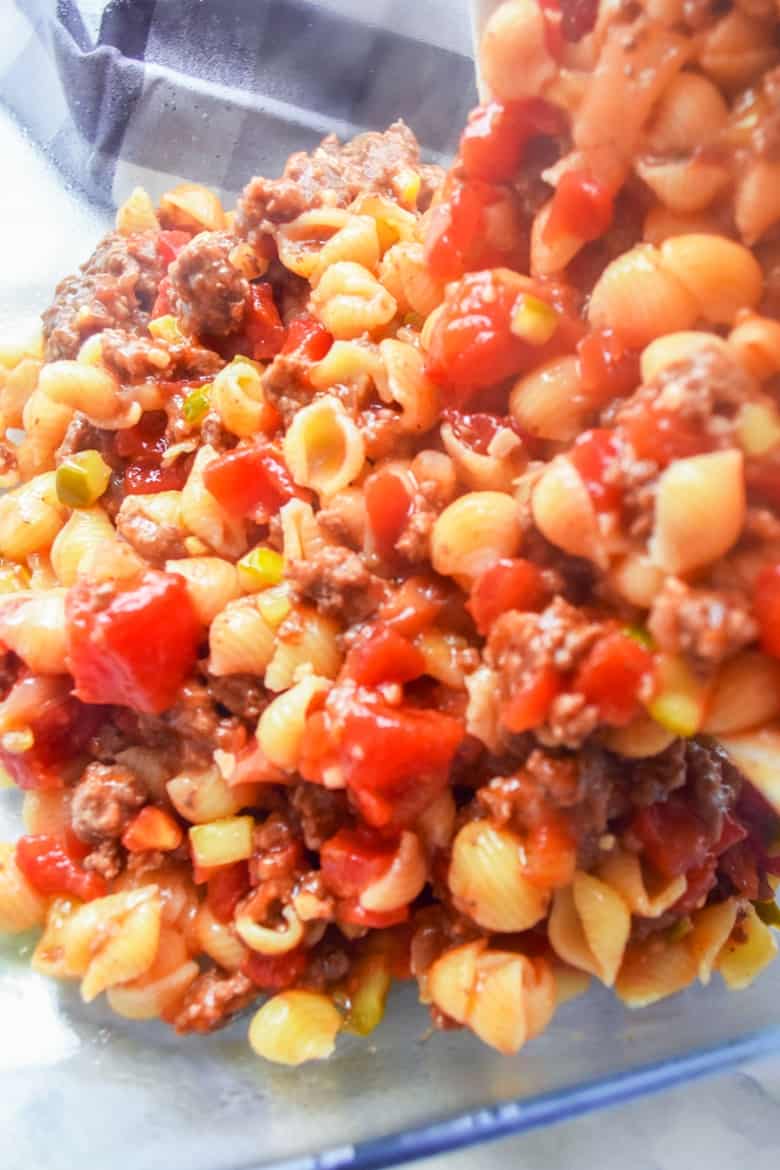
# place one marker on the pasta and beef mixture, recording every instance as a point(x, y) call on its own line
point(391, 564)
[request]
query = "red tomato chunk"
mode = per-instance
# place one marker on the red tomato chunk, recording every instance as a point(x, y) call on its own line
point(262, 326)
point(307, 338)
point(46, 865)
point(226, 887)
point(511, 583)
point(383, 655)
point(354, 859)
point(61, 727)
point(495, 138)
point(250, 478)
point(388, 504)
point(528, 706)
point(593, 454)
point(611, 677)
point(277, 972)
point(472, 345)
point(581, 207)
point(134, 644)
point(766, 603)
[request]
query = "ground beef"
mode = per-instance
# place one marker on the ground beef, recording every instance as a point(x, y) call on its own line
point(116, 287)
point(242, 694)
point(213, 433)
point(276, 850)
point(714, 783)
point(79, 436)
point(212, 1000)
point(651, 779)
point(196, 719)
point(155, 542)
point(286, 384)
point(107, 859)
point(428, 501)
point(105, 801)
point(329, 964)
point(207, 294)
point(338, 582)
point(321, 811)
point(707, 625)
point(332, 176)
point(136, 359)
point(695, 389)
point(522, 644)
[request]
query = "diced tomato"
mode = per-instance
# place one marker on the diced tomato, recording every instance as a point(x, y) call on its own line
point(456, 230)
point(581, 207)
point(550, 853)
point(262, 325)
point(169, 244)
point(593, 454)
point(611, 676)
point(528, 706)
point(152, 828)
point(145, 439)
point(307, 338)
point(496, 134)
point(134, 647)
point(388, 503)
point(227, 885)
point(354, 859)
point(472, 345)
point(61, 727)
point(579, 18)
point(249, 478)
point(44, 862)
point(511, 583)
point(394, 760)
point(147, 476)
point(673, 838)
point(414, 606)
point(608, 368)
point(277, 972)
point(350, 911)
point(662, 435)
point(383, 656)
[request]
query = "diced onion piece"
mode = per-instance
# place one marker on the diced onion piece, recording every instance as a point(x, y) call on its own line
point(222, 842)
point(260, 568)
point(533, 320)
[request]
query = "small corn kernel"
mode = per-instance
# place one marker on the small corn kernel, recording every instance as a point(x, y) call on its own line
point(295, 1026)
point(222, 842)
point(407, 184)
point(167, 329)
point(758, 428)
point(82, 479)
point(274, 605)
point(533, 320)
point(260, 569)
point(195, 406)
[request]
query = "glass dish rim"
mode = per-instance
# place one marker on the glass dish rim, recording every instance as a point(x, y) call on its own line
point(487, 1123)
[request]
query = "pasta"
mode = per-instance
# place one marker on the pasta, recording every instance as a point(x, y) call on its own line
point(390, 564)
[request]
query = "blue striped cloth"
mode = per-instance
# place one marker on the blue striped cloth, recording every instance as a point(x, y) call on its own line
point(121, 92)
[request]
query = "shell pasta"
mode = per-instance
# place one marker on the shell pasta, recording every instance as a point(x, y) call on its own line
point(390, 563)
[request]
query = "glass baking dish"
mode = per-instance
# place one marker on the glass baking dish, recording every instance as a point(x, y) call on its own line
point(81, 1087)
